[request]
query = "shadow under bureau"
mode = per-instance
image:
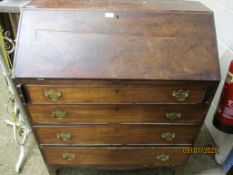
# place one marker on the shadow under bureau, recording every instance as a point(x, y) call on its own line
point(116, 84)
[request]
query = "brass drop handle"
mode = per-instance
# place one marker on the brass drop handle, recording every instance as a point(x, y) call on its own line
point(59, 115)
point(69, 156)
point(172, 116)
point(64, 136)
point(53, 95)
point(180, 95)
point(163, 157)
point(168, 136)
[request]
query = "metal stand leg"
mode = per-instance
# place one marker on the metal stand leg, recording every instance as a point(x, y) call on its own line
point(19, 122)
point(21, 160)
point(22, 156)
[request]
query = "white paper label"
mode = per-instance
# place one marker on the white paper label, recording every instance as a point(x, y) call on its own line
point(109, 15)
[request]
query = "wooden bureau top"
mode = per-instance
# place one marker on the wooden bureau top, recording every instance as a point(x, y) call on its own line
point(141, 40)
point(123, 5)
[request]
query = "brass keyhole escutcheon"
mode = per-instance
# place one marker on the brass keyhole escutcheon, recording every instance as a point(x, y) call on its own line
point(163, 157)
point(53, 95)
point(180, 95)
point(69, 156)
point(64, 136)
point(168, 136)
point(59, 115)
point(172, 116)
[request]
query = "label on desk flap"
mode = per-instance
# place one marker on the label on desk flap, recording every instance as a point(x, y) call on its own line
point(109, 15)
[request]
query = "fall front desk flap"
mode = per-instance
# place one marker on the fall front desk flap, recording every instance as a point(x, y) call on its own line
point(154, 40)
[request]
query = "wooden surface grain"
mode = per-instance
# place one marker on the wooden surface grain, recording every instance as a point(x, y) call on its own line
point(115, 156)
point(115, 65)
point(84, 44)
point(123, 5)
point(121, 134)
point(114, 94)
point(118, 114)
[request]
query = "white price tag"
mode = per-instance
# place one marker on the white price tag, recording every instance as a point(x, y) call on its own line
point(109, 15)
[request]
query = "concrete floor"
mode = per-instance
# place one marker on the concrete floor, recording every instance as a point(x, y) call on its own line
point(34, 165)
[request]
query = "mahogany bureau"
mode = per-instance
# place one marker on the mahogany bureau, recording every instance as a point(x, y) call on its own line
point(116, 84)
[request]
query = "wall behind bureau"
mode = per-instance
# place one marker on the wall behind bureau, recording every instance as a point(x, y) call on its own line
point(223, 14)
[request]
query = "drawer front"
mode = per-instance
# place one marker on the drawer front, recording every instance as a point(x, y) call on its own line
point(116, 94)
point(113, 156)
point(96, 114)
point(127, 134)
